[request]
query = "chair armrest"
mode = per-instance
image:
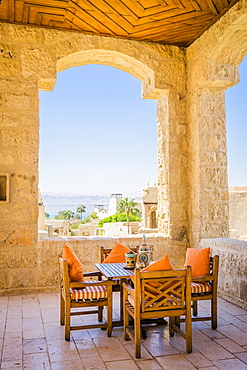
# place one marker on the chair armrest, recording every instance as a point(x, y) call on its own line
point(129, 289)
point(93, 273)
point(202, 279)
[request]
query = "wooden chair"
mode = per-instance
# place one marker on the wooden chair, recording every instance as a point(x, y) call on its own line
point(158, 294)
point(117, 287)
point(104, 252)
point(85, 294)
point(205, 288)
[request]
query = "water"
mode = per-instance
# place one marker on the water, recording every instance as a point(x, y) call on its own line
point(53, 209)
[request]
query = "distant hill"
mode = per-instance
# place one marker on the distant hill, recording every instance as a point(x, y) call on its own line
point(49, 199)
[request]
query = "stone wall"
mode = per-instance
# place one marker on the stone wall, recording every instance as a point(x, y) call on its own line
point(232, 270)
point(35, 268)
point(238, 212)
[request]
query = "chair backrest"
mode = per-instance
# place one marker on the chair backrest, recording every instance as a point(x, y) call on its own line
point(104, 252)
point(162, 290)
point(214, 270)
point(63, 274)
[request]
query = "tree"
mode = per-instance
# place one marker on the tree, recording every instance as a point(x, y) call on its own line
point(80, 209)
point(128, 206)
point(47, 215)
point(65, 215)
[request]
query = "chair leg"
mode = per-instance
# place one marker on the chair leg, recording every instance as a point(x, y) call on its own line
point(137, 334)
point(171, 330)
point(62, 310)
point(177, 321)
point(126, 324)
point(214, 313)
point(67, 319)
point(194, 307)
point(188, 333)
point(100, 313)
point(109, 316)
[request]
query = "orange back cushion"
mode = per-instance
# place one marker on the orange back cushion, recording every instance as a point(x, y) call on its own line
point(199, 260)
point(75, 266)
point(117, 254)
point(162, 264)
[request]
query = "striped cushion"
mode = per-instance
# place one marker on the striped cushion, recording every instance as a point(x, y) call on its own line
point(200, 288)
point(90, 292)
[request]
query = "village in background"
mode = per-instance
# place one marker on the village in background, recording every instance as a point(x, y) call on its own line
point(96, 225)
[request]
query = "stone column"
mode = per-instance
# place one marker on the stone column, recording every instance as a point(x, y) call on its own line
point(25, 63)
point(208, 208)
point(172, 167)
point(19, 142)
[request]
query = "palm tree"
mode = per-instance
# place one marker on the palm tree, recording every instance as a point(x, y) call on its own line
point(80, 209)
point(128, 206)
point(68, 214)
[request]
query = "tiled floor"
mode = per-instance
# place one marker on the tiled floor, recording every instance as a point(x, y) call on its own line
point(32, 338)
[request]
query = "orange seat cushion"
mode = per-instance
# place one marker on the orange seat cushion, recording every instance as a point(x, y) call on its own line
point(117, 254)
point(75, 266)
point(90, 292)
point(199, 260)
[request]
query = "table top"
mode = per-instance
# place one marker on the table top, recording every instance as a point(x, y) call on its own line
point(114, 270)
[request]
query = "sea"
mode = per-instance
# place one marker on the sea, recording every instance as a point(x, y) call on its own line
point(53, 209)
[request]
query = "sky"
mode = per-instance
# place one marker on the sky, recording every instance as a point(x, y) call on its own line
point(98, 136)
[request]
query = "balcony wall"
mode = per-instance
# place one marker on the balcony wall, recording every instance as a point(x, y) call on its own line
point(233, 268)
point(35, 268)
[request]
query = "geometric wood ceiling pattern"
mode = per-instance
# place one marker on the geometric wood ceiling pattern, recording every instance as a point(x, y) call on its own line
point(176, 22)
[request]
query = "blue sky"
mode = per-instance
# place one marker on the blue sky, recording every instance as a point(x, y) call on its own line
point(97, 136)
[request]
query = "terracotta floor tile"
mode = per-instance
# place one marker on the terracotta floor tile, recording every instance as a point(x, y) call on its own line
point(175, 362)
point(111, 349)
point(234, 333)
point(231, 364)
point(149, 365)
point(212, 351)
point(68, 365)
point(34, 345)
point(242, 356)
point(229, 345)
point(33, 334)
point(122, 365)
point(12, 353)
point(61, 350)
point(94, 363)
point(32, 323)
point(197, 359)
point(36, 361)
point(11, 364)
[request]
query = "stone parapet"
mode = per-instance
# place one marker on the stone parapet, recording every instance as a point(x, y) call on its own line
point(35, 268)
point(232, 284)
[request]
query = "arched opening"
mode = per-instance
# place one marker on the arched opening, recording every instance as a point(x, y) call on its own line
point(236, 114)
point(97, 135)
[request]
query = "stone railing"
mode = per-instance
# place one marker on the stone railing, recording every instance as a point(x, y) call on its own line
point(232, 284)
point(35, 268)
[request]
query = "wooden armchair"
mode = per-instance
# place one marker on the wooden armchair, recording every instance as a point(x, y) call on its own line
point(205, 288)
point(85, 294)
point(158, 294)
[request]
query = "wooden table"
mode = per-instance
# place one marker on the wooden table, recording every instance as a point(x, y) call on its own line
point(117, 271)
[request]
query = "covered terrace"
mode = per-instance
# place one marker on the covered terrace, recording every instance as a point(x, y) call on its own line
point(186, 54)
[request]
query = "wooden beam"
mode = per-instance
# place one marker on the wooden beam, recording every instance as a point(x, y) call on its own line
point(11, 10)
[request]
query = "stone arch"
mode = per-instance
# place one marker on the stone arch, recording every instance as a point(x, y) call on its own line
point(162, 72)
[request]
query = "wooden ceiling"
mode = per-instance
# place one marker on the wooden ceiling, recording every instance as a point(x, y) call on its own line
point(176, 22)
